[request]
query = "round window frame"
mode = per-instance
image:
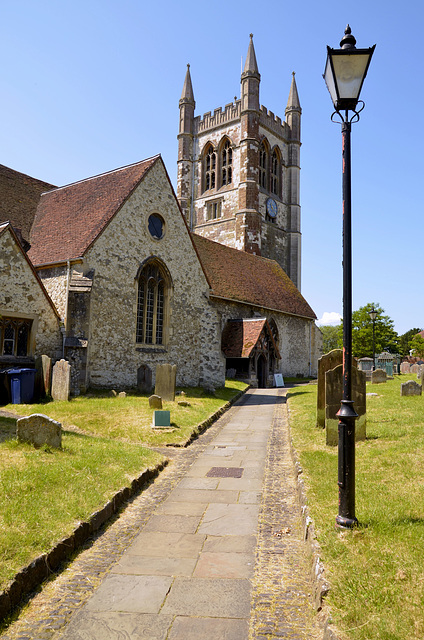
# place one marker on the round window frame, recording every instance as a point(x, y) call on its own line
point(162, 221)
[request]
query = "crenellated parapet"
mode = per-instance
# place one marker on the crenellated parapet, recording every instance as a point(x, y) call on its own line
point(273, 123)
point(220, 117)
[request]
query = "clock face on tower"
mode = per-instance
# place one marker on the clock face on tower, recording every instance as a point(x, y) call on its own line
point(271, 208)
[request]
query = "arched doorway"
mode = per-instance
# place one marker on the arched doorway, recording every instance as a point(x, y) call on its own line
point(261, 372)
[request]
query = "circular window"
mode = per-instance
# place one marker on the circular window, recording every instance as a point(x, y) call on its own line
point(156, 226)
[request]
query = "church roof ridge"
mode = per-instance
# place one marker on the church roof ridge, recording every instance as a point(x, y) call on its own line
point(69, 219)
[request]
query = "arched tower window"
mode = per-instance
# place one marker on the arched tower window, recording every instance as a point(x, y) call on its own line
point(210, 168)
point(226, 164)
point(275, 173)
point(151, 300)
point(263, 166)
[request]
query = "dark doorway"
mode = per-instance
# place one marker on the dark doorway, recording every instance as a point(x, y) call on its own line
point(261, 371)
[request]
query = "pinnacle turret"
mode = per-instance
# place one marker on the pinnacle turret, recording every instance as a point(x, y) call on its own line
point(293, 102)
point(251, 66)
point(187, 93)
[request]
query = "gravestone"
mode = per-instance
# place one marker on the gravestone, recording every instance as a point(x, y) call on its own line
point(161, 419)
point(415, 368)
point(231, 373)
point(378, 376)
point(43, 376)
point(405, 367)
point(144, 379)
point(61, 380)
point(333, 397)
point(410, 388)
point(325, 363)
point(155, 402)
point(166, 375)
point(422, 379)
point(39, 430)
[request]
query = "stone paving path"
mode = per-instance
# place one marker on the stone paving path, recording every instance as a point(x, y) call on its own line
point(211, 550)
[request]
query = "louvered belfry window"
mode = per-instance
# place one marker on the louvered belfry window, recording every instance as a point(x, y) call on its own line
point(150, 305)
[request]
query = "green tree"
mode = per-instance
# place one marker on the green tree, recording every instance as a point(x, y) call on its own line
point(405, 340)
point(330, 335)
point(417, 346)
point(386, 338)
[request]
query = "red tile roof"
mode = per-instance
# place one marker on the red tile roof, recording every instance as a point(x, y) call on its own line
point(70, 218)
point(244, 277)
point(20, 195)
point(239, 337)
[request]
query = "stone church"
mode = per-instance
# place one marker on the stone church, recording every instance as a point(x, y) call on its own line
point(117, 273)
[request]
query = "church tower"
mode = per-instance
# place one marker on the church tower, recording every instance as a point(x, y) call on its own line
point(239, 169)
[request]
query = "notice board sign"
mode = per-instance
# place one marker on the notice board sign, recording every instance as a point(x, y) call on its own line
point(278, 380)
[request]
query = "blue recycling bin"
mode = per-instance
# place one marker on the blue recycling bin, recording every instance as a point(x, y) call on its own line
point(22, 383)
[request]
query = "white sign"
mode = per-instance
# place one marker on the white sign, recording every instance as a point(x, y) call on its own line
point(278, 380)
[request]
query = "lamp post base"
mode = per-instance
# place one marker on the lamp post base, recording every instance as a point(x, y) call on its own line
point(346, 523)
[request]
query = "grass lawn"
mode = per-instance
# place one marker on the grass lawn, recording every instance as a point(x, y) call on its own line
point(44, 492)
point(376, 571)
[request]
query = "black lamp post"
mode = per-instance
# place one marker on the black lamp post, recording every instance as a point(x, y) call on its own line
point(373, 314)
point(344, 75)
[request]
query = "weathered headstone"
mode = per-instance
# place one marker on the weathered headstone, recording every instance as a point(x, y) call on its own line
point(333, 397)
point(155, 402)
point(405, 367)
point(415, 368)
point(161, 419)
point(144, 379)
point(61, 380)
point(410, 388)
point(378, 376)
point(43, 376)
point(166, 376)
point(231, 373)
point(39, 430)
point(122, 394)
point(422, 378)
point(325, 363)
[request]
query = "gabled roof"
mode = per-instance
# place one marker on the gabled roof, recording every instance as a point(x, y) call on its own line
point(243, 277)
point(7, 227)
point(19, 198)
point(70, 218)
point(240, 337)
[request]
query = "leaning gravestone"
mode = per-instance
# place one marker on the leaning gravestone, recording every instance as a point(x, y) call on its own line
point(61, 380)
point(325, 363)
point(43, 376)
point(410, 388)
point(405, 367)
point(333, 397)
point(39, 430)
point(378, 376)
point(144, 379)
point(166, 375)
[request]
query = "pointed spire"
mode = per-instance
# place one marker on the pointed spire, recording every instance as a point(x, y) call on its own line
point(251, 66)
point(187, 94)
point(293, 102)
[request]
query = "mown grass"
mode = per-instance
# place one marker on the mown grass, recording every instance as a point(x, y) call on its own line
point(45, 492)
point(130, 418)
point(376, 571)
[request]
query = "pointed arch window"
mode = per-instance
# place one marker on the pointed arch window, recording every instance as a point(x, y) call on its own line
point(226, 164)
point(14, 336)
point(210, 168)
point(275, 171)
point(263, 167)
point(151, 300)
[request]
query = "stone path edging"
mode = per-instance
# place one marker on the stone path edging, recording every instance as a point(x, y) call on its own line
point(320, 584)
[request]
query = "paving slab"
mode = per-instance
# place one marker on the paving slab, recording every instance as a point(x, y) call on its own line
point(188, 628)
point(141, 594)
point(114, 625)
point(208, 597)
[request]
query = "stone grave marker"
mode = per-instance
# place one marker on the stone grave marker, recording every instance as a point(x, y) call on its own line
point(144, 379)
point(378, 376)
point(43, 376)
point(155, 402)
point(405, 367)
point(325, 363)
point(38, 430)
point(166, 375)
point(422, 378)
point(415, 368)
point(61, 380)
point(410, 388)
point(333, 397)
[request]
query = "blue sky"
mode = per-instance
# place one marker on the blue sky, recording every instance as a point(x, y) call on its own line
point(91, 85)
